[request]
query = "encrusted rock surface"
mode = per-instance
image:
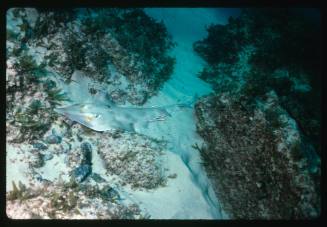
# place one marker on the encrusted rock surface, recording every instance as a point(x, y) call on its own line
point(126, 159)
point(258, 168)
point(67, 202)
point(96, 44)
point(251, 55)
point(140, 154)
point(55, 157)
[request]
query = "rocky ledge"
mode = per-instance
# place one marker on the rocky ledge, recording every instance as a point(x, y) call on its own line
point(122, 48)
point(256, 159)
point(66, 201)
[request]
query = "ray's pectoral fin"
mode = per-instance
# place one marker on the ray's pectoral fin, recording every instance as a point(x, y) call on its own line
point(125, 126)
point(164, 112)
point(88, 121)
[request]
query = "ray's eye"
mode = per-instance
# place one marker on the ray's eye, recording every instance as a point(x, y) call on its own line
point(97, 115)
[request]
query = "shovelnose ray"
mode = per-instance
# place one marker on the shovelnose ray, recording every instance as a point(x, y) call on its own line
point(107, 117)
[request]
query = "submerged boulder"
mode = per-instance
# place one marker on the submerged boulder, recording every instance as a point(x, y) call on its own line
point(86, 149)
point(258, 169)
point(136, 159)
point(111, 43)
point(36, 159)
point(40, 146)
point(108, 193)
point(57, 202)
point(97, 178)
point(47, 156)
point(53, 139)
point(81, 173)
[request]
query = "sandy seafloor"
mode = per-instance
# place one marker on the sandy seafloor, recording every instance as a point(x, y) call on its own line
point(190, 195)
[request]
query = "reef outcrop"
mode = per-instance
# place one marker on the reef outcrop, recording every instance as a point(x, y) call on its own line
point(257, 165)
point(268, 49)
point(72, 172)
point(64, 201)
point(110, 46)
point(262, 124)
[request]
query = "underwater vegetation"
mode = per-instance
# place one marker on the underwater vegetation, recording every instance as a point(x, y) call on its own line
point(260, 127)
point(133, 43)
point(277, 33)
point(268, 49)
point(265, 69)
point(84, 188)
point(55, 96)
point(66, 201)
point(137, 30)
point(141, 154)
point(257, 173)
point(107, 36)
point(30, 101)
point(71, 171)
point(20, 192)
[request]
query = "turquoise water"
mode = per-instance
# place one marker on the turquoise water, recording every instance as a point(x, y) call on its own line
point(168, 114)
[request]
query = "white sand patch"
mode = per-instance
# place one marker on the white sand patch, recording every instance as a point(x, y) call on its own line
point(180, 129)
point(54, 169)
point(173, 200)
point(17, 168)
